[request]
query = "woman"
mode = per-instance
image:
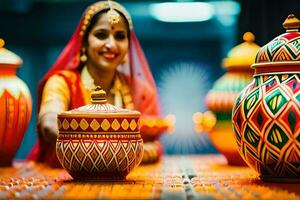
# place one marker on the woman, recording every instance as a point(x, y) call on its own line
point(102, 51)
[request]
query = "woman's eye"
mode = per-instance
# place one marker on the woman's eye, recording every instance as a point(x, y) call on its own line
point(101, 35)
point(120, 36)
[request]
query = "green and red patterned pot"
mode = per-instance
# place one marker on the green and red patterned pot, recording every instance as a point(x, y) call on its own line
point(99, 141)
point(266, 115)
point(15, 106)
point(226, 89)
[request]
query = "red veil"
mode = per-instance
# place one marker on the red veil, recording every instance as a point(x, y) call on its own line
point(136, 68)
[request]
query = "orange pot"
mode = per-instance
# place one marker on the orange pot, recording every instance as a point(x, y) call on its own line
point(226, 89)
point(15, 106)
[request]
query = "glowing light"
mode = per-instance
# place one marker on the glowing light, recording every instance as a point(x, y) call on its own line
point(204, 121)
point(182, 87)
point(197, 117)
point(171, 118)
point(182, 11)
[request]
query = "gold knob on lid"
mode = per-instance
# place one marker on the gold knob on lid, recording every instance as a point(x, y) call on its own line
point(291, 24)
point(2, 43)
point(248, 37)
point(98, 96)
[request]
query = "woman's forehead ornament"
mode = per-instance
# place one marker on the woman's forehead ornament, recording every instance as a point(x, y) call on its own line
point(113, 15)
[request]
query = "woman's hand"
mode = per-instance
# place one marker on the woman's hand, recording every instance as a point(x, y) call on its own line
point(152, 152)
point(48, 127)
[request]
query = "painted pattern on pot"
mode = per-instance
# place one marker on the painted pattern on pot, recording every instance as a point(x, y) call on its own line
point(99, 141)
point(15, 106)
point(266, 115)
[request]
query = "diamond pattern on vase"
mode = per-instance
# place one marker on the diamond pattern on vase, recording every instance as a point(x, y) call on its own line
point(83, 124)
point(75, 165)
point(124, 164)
point(275, 100)
point(269, 161)
point(59, 153)
point(293, 157)
point(94, 153)
point(105, 125)
point(68, 154)
point(133, 125)
point(108, 156)
point(65, 124)
point(120, 156)
point(95, 125)
point(99, 156)
point(251, 137)
point(290, 119)
point(125, 124)
point(250, 156)
point(251, 101)
point(130, 153)
point(115, 124)
point(293, 85)
point(271, 84)
point(100, 165)
point(80, 154)
point(238, 119)
point(259, 118)
point(277, 137)
point(113, 165)
point(88, 164)
point(74, 125)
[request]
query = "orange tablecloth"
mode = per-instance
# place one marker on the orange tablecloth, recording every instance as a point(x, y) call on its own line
point(174, 177)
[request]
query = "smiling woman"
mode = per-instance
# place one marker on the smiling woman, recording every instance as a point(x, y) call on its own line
point(103, 51)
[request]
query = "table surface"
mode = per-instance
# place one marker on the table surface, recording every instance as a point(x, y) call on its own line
point(174, 177)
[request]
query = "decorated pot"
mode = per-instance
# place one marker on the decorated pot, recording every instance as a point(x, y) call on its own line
point(266, 115)
point(99, 141)
point(15, 106)
point(226, 89)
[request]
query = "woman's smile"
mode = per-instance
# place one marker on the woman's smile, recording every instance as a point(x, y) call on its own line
point(109, 55)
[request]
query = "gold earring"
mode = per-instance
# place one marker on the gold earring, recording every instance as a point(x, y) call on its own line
point(83, 57)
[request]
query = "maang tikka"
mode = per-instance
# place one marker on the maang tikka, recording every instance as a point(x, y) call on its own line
point(113, 15)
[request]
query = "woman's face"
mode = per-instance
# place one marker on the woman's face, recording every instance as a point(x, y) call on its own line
point(107, 43)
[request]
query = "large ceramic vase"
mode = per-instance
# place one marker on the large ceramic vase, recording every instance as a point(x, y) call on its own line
point(226, 89)
point(266, 115)
point(15, 106)
point(99, 141)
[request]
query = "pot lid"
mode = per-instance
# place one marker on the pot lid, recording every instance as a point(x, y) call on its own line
point(7, 57)
point(99, 107)
point(242, 55)
point(284, 49)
